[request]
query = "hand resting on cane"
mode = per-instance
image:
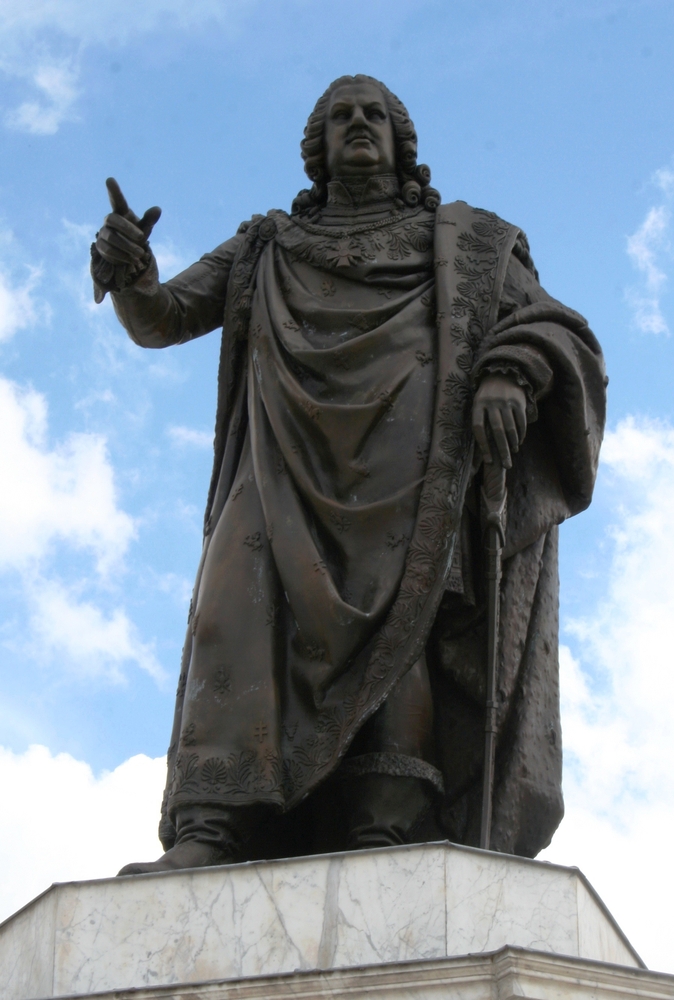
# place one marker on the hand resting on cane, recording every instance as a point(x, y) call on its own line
point(499, 415)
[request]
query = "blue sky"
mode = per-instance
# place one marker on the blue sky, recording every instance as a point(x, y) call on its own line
point(558, 116)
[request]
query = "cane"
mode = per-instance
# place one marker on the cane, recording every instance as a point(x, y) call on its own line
point(494, 500)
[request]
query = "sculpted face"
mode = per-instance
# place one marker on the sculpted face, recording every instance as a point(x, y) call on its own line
point(358, 132)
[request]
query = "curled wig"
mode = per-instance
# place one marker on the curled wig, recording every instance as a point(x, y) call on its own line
point(415, 179)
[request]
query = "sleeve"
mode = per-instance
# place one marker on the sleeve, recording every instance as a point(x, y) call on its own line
point(542, 341)
point(523, 363)
point(188, 306)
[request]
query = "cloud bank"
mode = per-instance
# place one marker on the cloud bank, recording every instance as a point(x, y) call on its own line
point(617, 698)
point(56, 497)
point(64, 823)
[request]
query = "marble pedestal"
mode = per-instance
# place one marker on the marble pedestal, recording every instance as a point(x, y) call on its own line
point(433, 920)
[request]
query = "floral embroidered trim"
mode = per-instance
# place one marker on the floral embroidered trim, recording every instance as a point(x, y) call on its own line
point(237, 775)
point(398, 235)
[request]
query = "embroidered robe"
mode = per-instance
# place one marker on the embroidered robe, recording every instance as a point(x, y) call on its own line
point(343, 525)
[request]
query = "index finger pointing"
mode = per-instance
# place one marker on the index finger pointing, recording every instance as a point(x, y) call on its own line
point(117, 199)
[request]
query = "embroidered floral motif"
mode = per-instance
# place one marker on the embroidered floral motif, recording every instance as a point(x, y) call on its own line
point(315, 653)
point(214, 773)
point(397, 236)
point(222, 684)
point(360, 468)
point(239, 775)
point(423, 357)
point(189, 738)
point(254, 541)
point(310, 408)
point(340, 521)
point(387, 398)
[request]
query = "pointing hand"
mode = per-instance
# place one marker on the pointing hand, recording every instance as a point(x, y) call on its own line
point(123, 237)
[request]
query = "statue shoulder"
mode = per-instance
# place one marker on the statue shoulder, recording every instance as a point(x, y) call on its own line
point(490, 226)
point(460, 212)
point(274, 218)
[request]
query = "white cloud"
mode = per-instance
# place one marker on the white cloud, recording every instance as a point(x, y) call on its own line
point(169, 260)
point(645, 248)
point(93, 642)
point(42, 42)
point(111, 22)
point(618, 700)
point(189, 436)
point(18, 309)
point(56, 84)
point(63, 823)
point(64, 496)
point(50, 494)
point(649, 249)
point(664, 178)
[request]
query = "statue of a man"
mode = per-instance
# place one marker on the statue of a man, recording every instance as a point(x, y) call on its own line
point(382, 355)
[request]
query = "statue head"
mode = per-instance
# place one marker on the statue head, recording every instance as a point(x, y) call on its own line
point(359, 128)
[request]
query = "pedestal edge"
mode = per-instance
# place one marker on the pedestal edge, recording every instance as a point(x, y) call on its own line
point(506, 974)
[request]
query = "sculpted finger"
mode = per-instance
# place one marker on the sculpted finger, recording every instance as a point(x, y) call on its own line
point(480, 433)
point(150, 220)
point(500, 438)
point(521, 421)
point(510, 429)
point(124, 226)
point(116, 239)
point(117, 199)
point(111, 253)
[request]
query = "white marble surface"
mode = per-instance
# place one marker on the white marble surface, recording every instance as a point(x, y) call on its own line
point(364, 908)
point(508, 974)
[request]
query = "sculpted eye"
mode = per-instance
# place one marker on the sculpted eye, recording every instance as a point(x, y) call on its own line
point(340, 116)
point(376, 116)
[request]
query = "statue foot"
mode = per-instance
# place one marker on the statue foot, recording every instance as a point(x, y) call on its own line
point(189, 854)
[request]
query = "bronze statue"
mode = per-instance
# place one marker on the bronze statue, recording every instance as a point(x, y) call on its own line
point(333, 683)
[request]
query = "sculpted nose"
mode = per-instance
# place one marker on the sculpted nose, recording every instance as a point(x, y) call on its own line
point(358, 117)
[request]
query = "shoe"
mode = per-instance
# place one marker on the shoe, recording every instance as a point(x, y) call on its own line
point(205, 836)
point(189, 854)
point(384, 810)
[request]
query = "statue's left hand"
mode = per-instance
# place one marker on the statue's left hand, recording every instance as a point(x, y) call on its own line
point(500, 406)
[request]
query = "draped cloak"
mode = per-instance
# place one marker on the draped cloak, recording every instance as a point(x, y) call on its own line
point(343, 528)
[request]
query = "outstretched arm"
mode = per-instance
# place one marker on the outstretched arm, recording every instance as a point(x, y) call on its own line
point(155, 314)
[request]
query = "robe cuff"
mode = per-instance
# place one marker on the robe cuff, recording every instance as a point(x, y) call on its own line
point(525, 366)
point(142, 277)
point(396, 764)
